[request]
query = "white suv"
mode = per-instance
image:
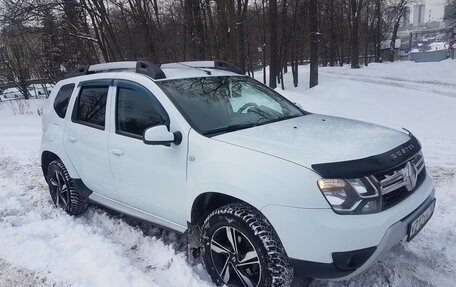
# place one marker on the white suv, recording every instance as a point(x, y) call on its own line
point(264, 189)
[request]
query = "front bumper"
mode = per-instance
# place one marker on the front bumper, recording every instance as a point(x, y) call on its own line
point(351, 263)
point(322, 244)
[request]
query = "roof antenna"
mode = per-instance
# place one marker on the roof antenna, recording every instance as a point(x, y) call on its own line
point(207, 72)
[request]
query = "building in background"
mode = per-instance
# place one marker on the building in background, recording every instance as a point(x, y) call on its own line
point(418, 14)
point(405, 22)
point(449, 14)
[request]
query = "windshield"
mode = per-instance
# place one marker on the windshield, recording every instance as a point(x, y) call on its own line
point(215, 105)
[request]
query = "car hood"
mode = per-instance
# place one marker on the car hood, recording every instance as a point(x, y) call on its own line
point(314, 139)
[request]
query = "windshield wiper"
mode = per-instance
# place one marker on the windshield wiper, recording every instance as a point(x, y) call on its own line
point(231, 128)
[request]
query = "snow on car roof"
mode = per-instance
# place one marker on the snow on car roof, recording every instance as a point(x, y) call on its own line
point(11, 90)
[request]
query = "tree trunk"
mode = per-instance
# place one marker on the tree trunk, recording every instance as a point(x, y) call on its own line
point(355, 9)
point(401, 10)
point(263, 44)
point(313, 17)
point(242, 11)
point(378, 36)
point(366, 39)
point(332, 38)
point(273, 54)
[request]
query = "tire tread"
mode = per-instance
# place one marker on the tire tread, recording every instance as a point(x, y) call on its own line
point(279, 265)
point(77, 203)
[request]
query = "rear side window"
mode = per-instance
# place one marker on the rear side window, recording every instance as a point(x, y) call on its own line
point(91, 106)
point(137, 110)
point(62, 99)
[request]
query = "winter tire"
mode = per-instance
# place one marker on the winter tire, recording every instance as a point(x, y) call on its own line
point(62, 189)
point(240, 248)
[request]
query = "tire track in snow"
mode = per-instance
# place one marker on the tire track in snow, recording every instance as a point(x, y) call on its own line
point(406, 84)
point(423, 82)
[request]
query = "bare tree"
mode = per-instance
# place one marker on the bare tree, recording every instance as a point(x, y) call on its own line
point(356, 6)
point(313, 17)
point(273, 46)
point(399, 10)
point(82, 32)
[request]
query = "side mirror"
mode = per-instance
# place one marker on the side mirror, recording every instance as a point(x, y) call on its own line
point(159, 135)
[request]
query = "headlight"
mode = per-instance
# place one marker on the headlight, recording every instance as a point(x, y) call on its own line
point(351, 196)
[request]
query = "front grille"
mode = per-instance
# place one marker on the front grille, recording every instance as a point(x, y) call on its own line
point(397, 184)
point(398, 195)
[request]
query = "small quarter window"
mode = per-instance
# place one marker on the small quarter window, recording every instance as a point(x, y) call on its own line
point(62, 99)
point(91, 106)
point(136, 111)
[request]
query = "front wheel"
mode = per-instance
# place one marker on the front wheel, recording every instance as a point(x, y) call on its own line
point(240, 248)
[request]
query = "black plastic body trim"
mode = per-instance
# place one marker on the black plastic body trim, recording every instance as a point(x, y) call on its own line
point(96, 83)
point(78, 72)
point(344, 264)
point(309, 269)
point(226, 66)
point(81, 188)
point(370, 165)
point(352, 260)
point(150, 69)
point(121, 214)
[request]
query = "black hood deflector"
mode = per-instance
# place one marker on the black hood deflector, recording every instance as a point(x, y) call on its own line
point(370, 165)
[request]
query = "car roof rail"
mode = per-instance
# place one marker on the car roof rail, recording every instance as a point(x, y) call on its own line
point(217, 65)
point(142, 67)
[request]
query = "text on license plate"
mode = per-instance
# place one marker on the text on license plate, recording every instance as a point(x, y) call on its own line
point(417, 224)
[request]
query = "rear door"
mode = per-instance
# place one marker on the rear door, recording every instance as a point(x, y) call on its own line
point(86, 139)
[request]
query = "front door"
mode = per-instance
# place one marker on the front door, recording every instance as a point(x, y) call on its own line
point(148, 177)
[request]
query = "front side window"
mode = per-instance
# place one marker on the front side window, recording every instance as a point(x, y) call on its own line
point(62, 99)
point(91, 106)
point(137, 110)
point(215, 105)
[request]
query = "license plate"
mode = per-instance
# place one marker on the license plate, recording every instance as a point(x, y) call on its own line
point(416, 225)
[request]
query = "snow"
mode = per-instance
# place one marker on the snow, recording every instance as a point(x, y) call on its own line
point(438, 46)
point(43, 246)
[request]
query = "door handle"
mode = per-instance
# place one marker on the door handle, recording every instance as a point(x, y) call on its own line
point(116, 151)
point(72, 139)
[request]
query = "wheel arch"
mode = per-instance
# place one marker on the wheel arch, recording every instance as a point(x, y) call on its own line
point(46, 158)
point(207, 202)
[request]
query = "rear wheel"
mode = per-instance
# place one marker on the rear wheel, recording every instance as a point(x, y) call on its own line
point(240, 248)
point(62, 189)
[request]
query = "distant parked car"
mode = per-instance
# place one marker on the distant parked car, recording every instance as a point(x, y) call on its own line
point(12, 93)
point(39, 90)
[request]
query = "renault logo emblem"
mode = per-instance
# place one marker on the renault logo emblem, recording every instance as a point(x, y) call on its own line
point(409, 173)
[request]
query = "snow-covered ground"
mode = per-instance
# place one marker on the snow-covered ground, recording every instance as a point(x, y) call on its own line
point(42, 246)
